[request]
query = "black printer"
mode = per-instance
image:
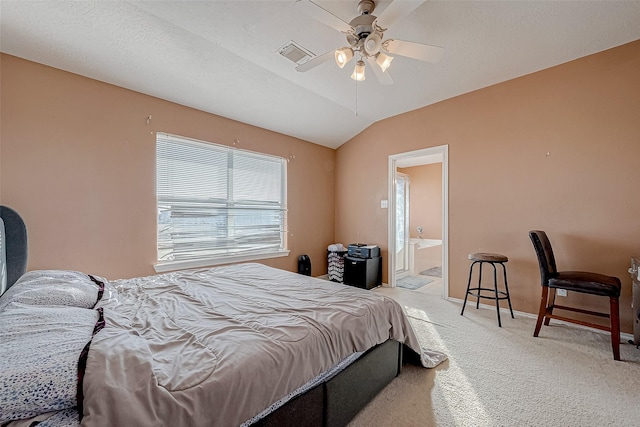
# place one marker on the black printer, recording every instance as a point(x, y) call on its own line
point(362, 250)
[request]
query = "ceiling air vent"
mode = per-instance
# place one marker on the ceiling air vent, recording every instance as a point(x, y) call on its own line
point(295, 53)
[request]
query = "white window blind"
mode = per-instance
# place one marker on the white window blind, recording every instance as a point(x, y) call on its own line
point(216, 201)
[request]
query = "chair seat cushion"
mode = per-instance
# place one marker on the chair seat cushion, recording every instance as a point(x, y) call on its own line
point(588, 283)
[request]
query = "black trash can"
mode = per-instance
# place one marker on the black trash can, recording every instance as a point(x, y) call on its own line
point(304, 265)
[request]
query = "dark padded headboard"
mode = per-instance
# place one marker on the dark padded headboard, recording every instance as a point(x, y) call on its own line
point(15, 239)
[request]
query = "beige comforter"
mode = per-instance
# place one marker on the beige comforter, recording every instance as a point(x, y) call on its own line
point(215, 347)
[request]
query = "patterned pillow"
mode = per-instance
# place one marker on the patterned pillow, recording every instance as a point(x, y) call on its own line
point(39, 358)
point(66, 418)
point(53, 287)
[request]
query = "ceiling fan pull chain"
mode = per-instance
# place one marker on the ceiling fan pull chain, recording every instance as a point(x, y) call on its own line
point(356, 98)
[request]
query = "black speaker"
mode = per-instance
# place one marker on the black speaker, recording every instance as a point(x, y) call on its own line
point(304, 265)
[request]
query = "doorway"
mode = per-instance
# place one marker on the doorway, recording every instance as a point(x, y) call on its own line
point(403, 253)
point(402, 224)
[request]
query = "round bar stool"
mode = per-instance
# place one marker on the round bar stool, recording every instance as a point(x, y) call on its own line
point(497, 295)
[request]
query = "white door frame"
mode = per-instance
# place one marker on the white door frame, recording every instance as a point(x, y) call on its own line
point(442, 150)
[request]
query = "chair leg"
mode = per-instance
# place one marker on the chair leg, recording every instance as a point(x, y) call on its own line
point(550, 306)
point(615, 326)
point(542, 311)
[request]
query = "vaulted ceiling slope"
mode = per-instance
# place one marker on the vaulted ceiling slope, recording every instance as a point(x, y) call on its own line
point(221, 56)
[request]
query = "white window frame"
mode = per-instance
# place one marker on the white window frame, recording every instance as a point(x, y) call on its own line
point(163, 266)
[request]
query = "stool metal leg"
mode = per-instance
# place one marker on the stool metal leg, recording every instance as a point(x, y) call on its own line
point(479, 286)
point(495, 287)
point(464, 304)
point(506, 288)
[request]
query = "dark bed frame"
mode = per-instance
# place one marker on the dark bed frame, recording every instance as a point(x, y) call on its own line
point(339, 399)
point(333, 402)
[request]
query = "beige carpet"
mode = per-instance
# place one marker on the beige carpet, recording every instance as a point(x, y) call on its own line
point(505, 376)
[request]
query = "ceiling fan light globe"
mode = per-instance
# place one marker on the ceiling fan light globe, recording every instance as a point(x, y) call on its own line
point(358, 71)
point(383, 61)
point(343, 55)
point(372, 43)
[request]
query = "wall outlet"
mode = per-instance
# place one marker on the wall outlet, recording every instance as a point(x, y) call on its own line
point(384, 204)
point(562, 292)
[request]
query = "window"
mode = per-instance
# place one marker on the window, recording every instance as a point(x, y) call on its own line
point(217, 204)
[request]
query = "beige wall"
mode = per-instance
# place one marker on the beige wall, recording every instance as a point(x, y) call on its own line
point(556, 150)
point(425, 200)
point(78, 163)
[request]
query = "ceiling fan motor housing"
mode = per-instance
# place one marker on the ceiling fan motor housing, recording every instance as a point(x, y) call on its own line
point(365, 7)
point(366, 34)
point(363, 25)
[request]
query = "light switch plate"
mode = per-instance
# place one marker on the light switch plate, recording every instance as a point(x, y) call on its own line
point(384, 204)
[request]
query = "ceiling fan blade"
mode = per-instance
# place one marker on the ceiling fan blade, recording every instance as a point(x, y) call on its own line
point(397, 10)
point(422, 52)
point(312, 63)
point(383, 76)
point(322, 15)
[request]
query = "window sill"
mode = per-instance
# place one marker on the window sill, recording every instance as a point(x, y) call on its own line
point(209, 262)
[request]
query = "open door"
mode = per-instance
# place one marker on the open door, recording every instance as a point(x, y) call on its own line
point(402, 224)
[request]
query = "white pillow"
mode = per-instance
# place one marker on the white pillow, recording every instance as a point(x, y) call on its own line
point(39, 358)
point(52, 287)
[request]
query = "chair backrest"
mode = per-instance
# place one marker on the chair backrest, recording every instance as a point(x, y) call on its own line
point(15, 244)
point(546, 260)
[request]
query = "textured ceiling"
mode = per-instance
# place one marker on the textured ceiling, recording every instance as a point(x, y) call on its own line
point(221, 56)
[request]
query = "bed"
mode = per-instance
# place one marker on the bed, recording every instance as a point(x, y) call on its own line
point(235, 345)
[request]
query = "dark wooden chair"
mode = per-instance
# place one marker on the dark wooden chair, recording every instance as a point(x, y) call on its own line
point(577, 281)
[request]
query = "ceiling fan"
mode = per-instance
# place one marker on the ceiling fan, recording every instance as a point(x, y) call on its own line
point(365, 35)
